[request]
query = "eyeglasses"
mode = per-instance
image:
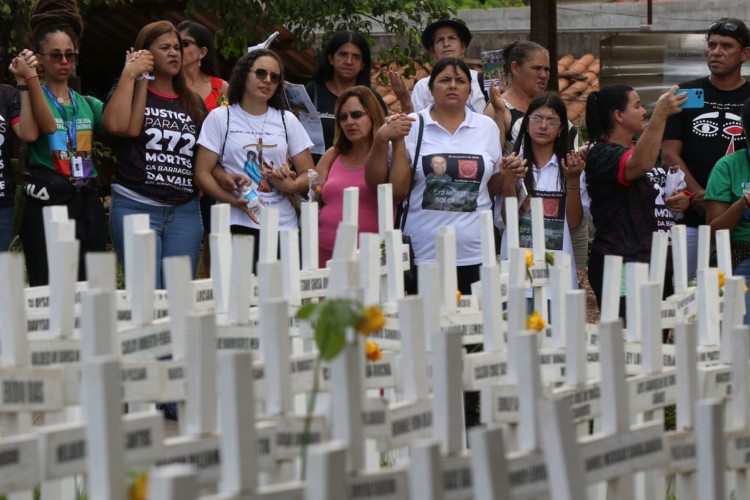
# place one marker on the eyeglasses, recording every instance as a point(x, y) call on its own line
point(56, 57)
point(186, 42)
point(538, 120)
point(726, 25)
point(356, 115)
point(262, 74)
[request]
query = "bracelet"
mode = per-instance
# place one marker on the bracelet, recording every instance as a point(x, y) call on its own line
point(574, 188)
point(22, 87)
point(32, 77)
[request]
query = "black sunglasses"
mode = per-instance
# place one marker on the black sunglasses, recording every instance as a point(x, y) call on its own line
point(187, 43)
point(725, 25)
point(262, 74)
point(356, 115)
point(56, 57)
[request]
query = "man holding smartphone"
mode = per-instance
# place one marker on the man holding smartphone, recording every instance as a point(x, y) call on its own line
point(696, 138)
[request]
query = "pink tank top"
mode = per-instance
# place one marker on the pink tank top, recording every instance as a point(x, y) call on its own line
point(340, 178)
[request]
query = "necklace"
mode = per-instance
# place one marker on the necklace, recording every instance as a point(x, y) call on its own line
point(61, 100)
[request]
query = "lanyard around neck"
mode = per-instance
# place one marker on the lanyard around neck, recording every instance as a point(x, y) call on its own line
point(70, 125)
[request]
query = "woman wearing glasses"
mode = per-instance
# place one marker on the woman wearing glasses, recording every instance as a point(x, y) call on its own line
point(549, 170)
point(358, 117)
point(159, 118)
point(58, 123)
point(254, 122)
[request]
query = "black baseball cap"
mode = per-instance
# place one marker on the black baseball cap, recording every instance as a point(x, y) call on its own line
point(428, 35)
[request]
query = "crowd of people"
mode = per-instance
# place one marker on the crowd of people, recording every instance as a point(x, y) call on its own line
point(187, 138)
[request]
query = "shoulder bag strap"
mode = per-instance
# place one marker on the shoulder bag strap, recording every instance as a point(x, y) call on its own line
point(407, 202)
point(226, 134)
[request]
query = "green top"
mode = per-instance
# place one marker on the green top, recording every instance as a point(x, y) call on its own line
point(729, 180)
point(56, 151)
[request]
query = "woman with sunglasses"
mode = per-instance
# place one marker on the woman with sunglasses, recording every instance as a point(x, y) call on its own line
point(549, 170)
point(159, 117)
point(358, 117)
point(200, 67)
point(256, 121)
point(58, 123)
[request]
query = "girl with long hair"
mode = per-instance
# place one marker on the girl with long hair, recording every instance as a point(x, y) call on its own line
point(550, 171)
point(256, 121)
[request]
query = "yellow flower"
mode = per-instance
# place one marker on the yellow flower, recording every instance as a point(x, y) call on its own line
point(139, 489)
point(373, 320)
point(458, 297)
point(535, 322)
point(372, 351)
point(529, 258)
point(722, 279)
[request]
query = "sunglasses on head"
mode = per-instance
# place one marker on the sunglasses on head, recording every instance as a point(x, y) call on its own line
point(725, 25)
point(356, 115)
point(56, 57)
point(262, 74)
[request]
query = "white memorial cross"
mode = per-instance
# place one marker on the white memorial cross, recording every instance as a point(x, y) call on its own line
point(220, 243)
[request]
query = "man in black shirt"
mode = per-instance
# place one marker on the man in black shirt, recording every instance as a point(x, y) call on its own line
point(696, 138)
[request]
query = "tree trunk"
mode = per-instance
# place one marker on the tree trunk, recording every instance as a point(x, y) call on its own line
point(543, 15)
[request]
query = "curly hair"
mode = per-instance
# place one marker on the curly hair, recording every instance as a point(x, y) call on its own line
point(242, 69)
point(191, 101)
point(53, 16)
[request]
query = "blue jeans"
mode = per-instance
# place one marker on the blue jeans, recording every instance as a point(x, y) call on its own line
point(179, 230)
point(744, 270)
point(6, 227)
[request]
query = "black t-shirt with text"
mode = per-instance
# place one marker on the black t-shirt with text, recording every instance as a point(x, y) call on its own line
point(708, 133)
point(158, 164)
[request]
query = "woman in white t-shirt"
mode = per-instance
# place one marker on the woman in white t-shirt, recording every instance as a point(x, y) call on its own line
point(255, 140)
point(552, 172)
point(455, 173)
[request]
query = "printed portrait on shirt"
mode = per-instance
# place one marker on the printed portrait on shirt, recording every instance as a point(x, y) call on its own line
point(452, 181)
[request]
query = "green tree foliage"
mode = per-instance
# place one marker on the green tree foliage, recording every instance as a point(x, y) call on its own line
point(247, 22)
point(402, 20)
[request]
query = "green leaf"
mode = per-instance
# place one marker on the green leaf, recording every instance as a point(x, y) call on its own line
point(330, 337)
point(306, 311)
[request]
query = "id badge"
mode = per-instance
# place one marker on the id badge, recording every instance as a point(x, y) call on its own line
point(76, 167)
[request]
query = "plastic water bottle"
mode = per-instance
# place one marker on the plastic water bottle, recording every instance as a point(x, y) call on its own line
point(253, 201)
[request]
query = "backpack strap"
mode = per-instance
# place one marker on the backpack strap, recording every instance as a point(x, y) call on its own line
point(226, 135)
point(404, 207)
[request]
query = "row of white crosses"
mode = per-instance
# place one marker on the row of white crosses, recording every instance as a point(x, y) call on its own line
point(454, 302)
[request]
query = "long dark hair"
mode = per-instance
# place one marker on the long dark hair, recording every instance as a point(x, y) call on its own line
point(191, 101)
point(203, 39)
point(324, 70)
point(52, 16)
point(600, 108)
point(239, 77)
point(371, 105)
point(553, 101)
